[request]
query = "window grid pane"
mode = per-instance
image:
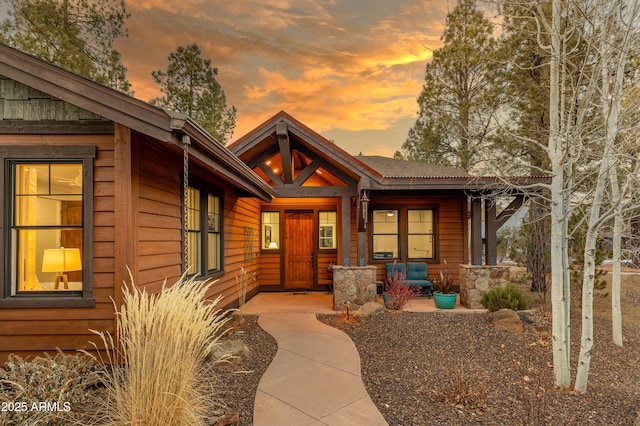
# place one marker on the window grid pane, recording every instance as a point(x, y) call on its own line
point(420, 241)
point(385, 234)
point(270, 230)
point(47, 215)
point(327, 222)
point(213, 238)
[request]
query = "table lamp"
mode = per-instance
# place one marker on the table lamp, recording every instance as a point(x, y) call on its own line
point(60, 261)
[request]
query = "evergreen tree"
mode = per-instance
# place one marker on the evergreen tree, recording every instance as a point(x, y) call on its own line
point(76, 35)
point(456, 102)
point(189, 86)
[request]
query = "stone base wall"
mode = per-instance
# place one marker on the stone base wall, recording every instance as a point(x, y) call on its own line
point(356, 284)
point(477, 280)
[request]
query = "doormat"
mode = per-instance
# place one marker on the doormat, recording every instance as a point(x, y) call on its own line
point(299, 293)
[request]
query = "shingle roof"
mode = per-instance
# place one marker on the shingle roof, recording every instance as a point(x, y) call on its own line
point(404, 169)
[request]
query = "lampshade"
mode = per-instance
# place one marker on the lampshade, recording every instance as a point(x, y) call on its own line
point(273, 245)
point(61, 260)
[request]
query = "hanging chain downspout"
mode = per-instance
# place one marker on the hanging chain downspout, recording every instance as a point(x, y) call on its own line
point(186, 141)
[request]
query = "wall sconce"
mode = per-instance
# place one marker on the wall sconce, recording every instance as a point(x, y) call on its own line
point(60, 261)
point(364, 204)
point(273, 245)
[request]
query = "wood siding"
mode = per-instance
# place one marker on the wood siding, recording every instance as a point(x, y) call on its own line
point(29, 331)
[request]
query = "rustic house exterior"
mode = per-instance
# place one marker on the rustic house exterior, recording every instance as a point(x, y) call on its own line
point(97, 184)
point(104, 176)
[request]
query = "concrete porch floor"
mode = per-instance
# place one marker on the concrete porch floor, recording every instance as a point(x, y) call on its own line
point(321, 302)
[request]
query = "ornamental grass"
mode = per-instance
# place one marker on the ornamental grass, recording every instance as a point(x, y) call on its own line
point(154, 370)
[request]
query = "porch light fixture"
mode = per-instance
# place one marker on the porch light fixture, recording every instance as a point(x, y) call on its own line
point(60, 261)
point(364, 204)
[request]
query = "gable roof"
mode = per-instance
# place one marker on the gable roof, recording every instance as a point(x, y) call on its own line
point(264, 136)
point(164, 126)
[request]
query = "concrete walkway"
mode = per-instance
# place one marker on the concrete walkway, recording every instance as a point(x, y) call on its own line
point(314, 378)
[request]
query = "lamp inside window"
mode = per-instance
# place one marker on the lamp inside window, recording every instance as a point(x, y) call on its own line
point(60, 261)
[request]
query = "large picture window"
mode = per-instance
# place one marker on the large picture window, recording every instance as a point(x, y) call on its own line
point(48, 207)
point(403, 233)
point(204, 224)
point(46, 231)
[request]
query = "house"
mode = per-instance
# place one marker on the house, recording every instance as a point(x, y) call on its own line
point(93, 183)
point(97, 183)
point(334, 208)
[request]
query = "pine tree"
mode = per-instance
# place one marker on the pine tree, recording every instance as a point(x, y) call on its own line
point(189, 86)
point(76, 35)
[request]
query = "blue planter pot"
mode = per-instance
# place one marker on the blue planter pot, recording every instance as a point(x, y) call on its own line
point(445, 301)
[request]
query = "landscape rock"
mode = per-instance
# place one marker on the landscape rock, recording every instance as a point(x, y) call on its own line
point(507, 320)
point(369, 309)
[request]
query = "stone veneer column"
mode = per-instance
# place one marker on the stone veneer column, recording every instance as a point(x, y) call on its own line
point(477, 280)
point(356, 284)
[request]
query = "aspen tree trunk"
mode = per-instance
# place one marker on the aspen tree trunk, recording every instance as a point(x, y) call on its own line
point(611, 98)
point(556, 149)
point(616, 311)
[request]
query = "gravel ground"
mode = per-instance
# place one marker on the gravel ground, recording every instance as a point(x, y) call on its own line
point(456, 369)
point(237, 381)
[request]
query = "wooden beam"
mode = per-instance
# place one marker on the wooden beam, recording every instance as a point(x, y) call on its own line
point(327, 165)
point(509, 211)
point(490, 230)
point(274, 177)
point(263, 157)
point(306, 173)
point(285, 151)
point(476, 231)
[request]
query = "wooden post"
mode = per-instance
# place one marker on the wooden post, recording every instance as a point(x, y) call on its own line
point(346, 231)
point(476, 231)
point(490, 231)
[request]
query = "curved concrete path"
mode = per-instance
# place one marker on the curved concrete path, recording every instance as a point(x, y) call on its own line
point(314, 378)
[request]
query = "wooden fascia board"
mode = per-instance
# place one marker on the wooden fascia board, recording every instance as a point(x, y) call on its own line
point(243, 145)
point(85, 94)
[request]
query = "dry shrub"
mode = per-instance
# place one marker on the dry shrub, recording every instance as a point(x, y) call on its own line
point(164, 342)
point(462, 388)
point(46, 390)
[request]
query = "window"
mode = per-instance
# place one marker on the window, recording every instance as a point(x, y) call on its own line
point(403, 233)
point(327, 229)
point(420, 242)
point(203, 232)
point(270, 230)
point(385, 234)
point(48, 207)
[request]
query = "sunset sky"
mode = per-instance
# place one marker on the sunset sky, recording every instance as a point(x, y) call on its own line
point(350, 70)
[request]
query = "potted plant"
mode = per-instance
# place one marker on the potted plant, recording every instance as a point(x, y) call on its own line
point(443, 297)
point(396, 292)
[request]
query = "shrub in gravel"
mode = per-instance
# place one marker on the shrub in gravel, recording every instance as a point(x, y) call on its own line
point(45, 390)
point(510, 297)
point(397, 291)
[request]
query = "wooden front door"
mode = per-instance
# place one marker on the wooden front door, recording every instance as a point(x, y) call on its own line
point(298, 235)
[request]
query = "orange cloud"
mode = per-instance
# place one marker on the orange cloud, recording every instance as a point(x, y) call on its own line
point(334, 65)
